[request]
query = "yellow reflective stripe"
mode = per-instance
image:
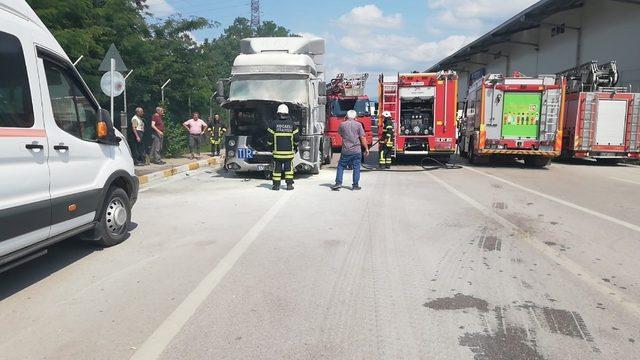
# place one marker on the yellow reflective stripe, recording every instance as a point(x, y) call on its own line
point(295, 131)
point(271, 131)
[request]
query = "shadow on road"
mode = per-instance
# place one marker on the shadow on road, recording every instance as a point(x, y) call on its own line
point(58, 257)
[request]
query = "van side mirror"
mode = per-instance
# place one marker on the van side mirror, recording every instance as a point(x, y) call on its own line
point(105, 130)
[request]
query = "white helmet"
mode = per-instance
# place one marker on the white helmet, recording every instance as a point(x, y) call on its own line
point(283, 109)
point(386, 114)
point(352, 114)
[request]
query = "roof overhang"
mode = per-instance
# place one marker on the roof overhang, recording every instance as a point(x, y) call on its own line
point(531, 18)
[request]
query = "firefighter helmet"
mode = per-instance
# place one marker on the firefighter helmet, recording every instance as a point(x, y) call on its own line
point(351, 114)
point(283, 109)
point(386, 114)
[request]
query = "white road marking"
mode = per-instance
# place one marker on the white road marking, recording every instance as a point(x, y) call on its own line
point(625, 180)
point(600, 215)
point(571, 266)
point(153, 347)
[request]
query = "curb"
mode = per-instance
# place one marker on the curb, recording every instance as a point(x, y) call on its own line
point(146, 179)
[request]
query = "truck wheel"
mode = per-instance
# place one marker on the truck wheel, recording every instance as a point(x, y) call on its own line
point(116, 217)
point(537, 161)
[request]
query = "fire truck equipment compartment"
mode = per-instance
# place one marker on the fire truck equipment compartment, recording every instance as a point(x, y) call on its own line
point(612, 115)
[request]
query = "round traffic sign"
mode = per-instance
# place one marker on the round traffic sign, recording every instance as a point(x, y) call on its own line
point(118, 83)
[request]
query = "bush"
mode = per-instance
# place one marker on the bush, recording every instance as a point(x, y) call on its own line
point(175, 138)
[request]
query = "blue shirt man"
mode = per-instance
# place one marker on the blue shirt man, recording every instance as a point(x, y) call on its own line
point(353, 139)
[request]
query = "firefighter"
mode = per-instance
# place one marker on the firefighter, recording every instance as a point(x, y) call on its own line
point(216, 134)
point(386, 143)
point(284, 141)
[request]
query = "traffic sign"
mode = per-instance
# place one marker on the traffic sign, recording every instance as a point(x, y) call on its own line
point(118, 83)
point(113, 53)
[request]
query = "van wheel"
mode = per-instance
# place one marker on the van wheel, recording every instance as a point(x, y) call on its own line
point(116, 217)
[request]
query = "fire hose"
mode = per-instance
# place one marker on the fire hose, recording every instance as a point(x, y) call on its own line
point(437, 164)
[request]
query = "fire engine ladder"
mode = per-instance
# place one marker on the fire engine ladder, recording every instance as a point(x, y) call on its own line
point(587, 126)
point(390, 104)
point(551, 114)
point(635, 123)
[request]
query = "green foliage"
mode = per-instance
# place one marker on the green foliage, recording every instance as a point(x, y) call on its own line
point(156, 50)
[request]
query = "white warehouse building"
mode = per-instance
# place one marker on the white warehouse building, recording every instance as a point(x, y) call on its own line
point(555, 35)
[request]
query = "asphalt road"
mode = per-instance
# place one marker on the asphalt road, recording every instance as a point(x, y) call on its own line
point(492, 262)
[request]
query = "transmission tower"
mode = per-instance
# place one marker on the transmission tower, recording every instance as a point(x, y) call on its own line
point(255, 14)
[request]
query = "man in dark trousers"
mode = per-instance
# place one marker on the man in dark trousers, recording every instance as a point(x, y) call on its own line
point(353, 139)
point(284, 140)
point(216, 134)
point(387, 142)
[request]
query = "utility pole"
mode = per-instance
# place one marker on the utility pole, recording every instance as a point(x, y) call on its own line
point(210, 105)
point(162, 89)
point(255, 14)
point(123, 115)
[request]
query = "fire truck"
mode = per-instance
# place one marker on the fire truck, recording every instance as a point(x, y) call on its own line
point(346, 93)
point(602, 120)
point(423, 108)
point(518, 117)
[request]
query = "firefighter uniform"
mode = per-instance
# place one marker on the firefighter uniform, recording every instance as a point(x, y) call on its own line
point(386, 143)
point(216, 134)
point(284, 141)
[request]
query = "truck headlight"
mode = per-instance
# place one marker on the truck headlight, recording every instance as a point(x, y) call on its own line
point(306, 155)
point(232, 143)
point(231, 153)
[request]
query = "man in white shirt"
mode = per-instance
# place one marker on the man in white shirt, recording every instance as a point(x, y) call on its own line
point(137, 127)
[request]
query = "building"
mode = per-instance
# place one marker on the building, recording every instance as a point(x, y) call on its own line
point(554, 35)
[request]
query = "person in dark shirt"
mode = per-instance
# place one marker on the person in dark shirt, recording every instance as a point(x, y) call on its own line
point(157, 136)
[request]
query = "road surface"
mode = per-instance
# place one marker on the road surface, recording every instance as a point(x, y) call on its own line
point(488, 262)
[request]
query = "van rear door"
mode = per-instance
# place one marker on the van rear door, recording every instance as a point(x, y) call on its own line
point(25, 204)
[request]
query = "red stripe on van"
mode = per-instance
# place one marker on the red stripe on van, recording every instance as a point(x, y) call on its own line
point(13, 132)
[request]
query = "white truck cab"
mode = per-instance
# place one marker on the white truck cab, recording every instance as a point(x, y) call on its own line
point(64, 170)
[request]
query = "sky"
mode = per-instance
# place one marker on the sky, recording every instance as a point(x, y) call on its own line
point(373, 36)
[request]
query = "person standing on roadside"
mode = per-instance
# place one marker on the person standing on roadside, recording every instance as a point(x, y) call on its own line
point(137, 127)
point(157, 136)
point(353, 141)
point(216, 133)
point(196, 128)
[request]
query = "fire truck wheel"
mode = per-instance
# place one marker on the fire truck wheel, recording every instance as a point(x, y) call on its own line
point(608, 161)
point(537, 161)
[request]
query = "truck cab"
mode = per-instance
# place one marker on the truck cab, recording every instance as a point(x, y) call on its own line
point(267, 73)
point(65, 169)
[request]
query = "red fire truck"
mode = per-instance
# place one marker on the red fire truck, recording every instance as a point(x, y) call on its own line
point(602, 121)
point(423, 108)
point(346, 93)
point(517, 117)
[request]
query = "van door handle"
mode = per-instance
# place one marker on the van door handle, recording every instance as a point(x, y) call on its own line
point(34, 146)
point(60, 147)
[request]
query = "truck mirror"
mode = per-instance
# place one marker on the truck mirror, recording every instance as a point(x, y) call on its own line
point(322, 89)
point(220, 86)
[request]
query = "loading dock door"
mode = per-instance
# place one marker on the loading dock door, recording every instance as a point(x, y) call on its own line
point(611, 121)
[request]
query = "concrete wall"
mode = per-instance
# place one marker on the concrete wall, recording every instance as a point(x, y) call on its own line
point(610, 30)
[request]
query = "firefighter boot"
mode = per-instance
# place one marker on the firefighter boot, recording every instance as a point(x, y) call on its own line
point(289, 185)
point(276, 186)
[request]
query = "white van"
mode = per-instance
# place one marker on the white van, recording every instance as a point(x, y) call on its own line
point(64, 170)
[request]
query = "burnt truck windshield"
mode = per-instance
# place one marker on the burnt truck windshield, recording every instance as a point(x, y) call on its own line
point(341, 106)
point(293, 91)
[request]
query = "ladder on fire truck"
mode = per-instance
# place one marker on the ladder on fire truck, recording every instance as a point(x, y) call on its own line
point(389, 102)
point(348, 85)
point(590, 76)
